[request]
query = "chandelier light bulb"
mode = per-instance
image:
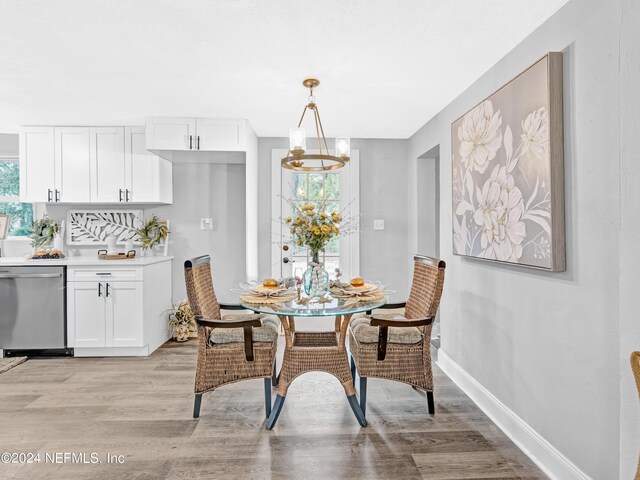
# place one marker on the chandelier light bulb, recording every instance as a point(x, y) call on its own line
point(343, 147)
point(297, 140)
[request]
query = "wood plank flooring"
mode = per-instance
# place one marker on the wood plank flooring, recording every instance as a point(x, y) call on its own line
point(141, 408)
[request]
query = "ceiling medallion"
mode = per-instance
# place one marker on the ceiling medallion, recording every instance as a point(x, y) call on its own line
point(298, 159)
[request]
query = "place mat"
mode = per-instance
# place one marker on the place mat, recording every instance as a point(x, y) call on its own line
point(7, 364)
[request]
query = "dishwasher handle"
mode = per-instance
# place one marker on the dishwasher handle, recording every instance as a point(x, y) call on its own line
point(30, 275)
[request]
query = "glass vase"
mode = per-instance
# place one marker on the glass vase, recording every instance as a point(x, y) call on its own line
point(315, 279)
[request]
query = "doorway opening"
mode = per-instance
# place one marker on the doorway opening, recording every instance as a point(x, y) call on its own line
point(428, 211)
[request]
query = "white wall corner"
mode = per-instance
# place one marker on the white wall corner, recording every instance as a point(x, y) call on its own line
point(546, 456)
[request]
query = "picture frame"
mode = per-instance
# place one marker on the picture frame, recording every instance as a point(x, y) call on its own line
point(508, 172)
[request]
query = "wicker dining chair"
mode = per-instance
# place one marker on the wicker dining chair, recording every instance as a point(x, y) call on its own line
point(231, 348)
point(397, 347)
point(635, 367)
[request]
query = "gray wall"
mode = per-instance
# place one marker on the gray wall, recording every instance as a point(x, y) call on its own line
point(383, 180)
point(547, 344)
point(200, 191)
point(629, 232)
point(9, 144)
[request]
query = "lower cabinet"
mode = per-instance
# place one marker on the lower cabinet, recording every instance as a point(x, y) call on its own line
point(107, 314)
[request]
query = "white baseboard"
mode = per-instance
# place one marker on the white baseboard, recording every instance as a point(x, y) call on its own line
point(546, 456)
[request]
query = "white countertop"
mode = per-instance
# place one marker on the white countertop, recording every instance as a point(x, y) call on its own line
point(79, 261)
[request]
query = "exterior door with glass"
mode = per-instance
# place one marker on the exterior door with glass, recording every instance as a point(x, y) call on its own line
point(338, 191)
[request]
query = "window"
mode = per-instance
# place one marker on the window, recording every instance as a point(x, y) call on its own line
point(21, 214)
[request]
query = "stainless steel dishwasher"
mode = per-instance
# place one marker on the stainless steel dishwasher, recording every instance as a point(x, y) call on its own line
point(33, 310)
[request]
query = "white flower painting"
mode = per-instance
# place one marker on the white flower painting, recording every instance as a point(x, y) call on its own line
point(503, 189)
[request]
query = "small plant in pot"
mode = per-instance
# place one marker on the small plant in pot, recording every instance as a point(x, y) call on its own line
point(182, 321)
point(152, 232)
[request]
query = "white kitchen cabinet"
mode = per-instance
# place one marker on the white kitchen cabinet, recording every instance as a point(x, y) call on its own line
point(225, 134)
point(37, 165)
point(86, 301)
point(72, 164)
point(176, 134)
point(170, 133)
point(102, 314)
point(118, 310)
point(91, 165)
point(148, 178)
point(54, 164)
point(107, 164)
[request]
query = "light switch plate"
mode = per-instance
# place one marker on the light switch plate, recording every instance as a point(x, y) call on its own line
point(378, 224)
point(206, 224)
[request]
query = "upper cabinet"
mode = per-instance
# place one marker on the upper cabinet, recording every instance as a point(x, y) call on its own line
point(91, 165)
point(197, 140)
point(37, 164)
point(170, 133)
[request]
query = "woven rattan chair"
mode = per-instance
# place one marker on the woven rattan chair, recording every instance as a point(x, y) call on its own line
point(397, 347)
point(230, 348)
point(635, 366)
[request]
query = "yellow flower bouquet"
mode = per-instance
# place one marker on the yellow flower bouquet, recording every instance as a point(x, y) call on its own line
point(312, 227)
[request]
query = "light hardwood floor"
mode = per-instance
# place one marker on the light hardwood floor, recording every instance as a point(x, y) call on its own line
point(141, 408)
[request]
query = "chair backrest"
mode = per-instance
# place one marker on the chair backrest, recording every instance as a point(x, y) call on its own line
point(202, 297)
point(426, 289)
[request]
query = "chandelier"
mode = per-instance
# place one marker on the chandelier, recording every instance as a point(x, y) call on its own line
point(298, 159)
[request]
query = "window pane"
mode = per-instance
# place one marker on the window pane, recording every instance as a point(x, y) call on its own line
point(21, 217)
point(316, 186)
point(299, 186)
point(332, 186)
point(9, 179)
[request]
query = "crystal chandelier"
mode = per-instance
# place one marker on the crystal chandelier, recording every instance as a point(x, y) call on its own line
point(298, 159)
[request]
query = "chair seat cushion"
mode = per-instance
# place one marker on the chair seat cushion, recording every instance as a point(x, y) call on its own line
point(268, 332)
point(360, 327)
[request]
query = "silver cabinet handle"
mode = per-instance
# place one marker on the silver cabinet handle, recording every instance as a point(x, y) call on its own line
point(57, 195)
point(49, 195)
point(120, 194)
point(103, 274)
point(107, 290)
point(99, 289)
point(190, 142)
point(126, 195)
point(30, 275)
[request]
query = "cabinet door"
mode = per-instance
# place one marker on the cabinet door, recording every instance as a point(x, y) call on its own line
point(73, 165)
point(37, 164)
point(170, 133)
point(220, 134)
point(86, 314)
point(107, 164)
point(142, 173)
point(124, 314)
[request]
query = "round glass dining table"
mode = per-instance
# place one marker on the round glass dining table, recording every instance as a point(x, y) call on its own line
point(315, 351)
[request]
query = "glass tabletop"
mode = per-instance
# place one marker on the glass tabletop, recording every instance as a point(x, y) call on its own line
point(329, 309)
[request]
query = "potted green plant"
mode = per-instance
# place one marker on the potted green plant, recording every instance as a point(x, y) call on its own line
point(182, 321)
point(152, 232)
point(43, 232)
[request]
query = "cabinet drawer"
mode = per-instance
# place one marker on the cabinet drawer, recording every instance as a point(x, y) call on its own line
point(93, 274)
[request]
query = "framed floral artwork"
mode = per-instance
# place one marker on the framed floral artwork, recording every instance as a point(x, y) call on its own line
point(508, 174)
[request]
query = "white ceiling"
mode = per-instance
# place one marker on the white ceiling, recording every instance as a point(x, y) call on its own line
point(386, 67)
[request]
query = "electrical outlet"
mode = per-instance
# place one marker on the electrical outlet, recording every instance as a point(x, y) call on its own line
point(206, 224)
point(378, 224)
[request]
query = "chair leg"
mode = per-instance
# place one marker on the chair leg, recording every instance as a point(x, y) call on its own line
point(430, 403)
point(196, 405)
point(353, 370)
point(274, 378)
point(363, 395)
point(267, 396)
point(277, 407)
